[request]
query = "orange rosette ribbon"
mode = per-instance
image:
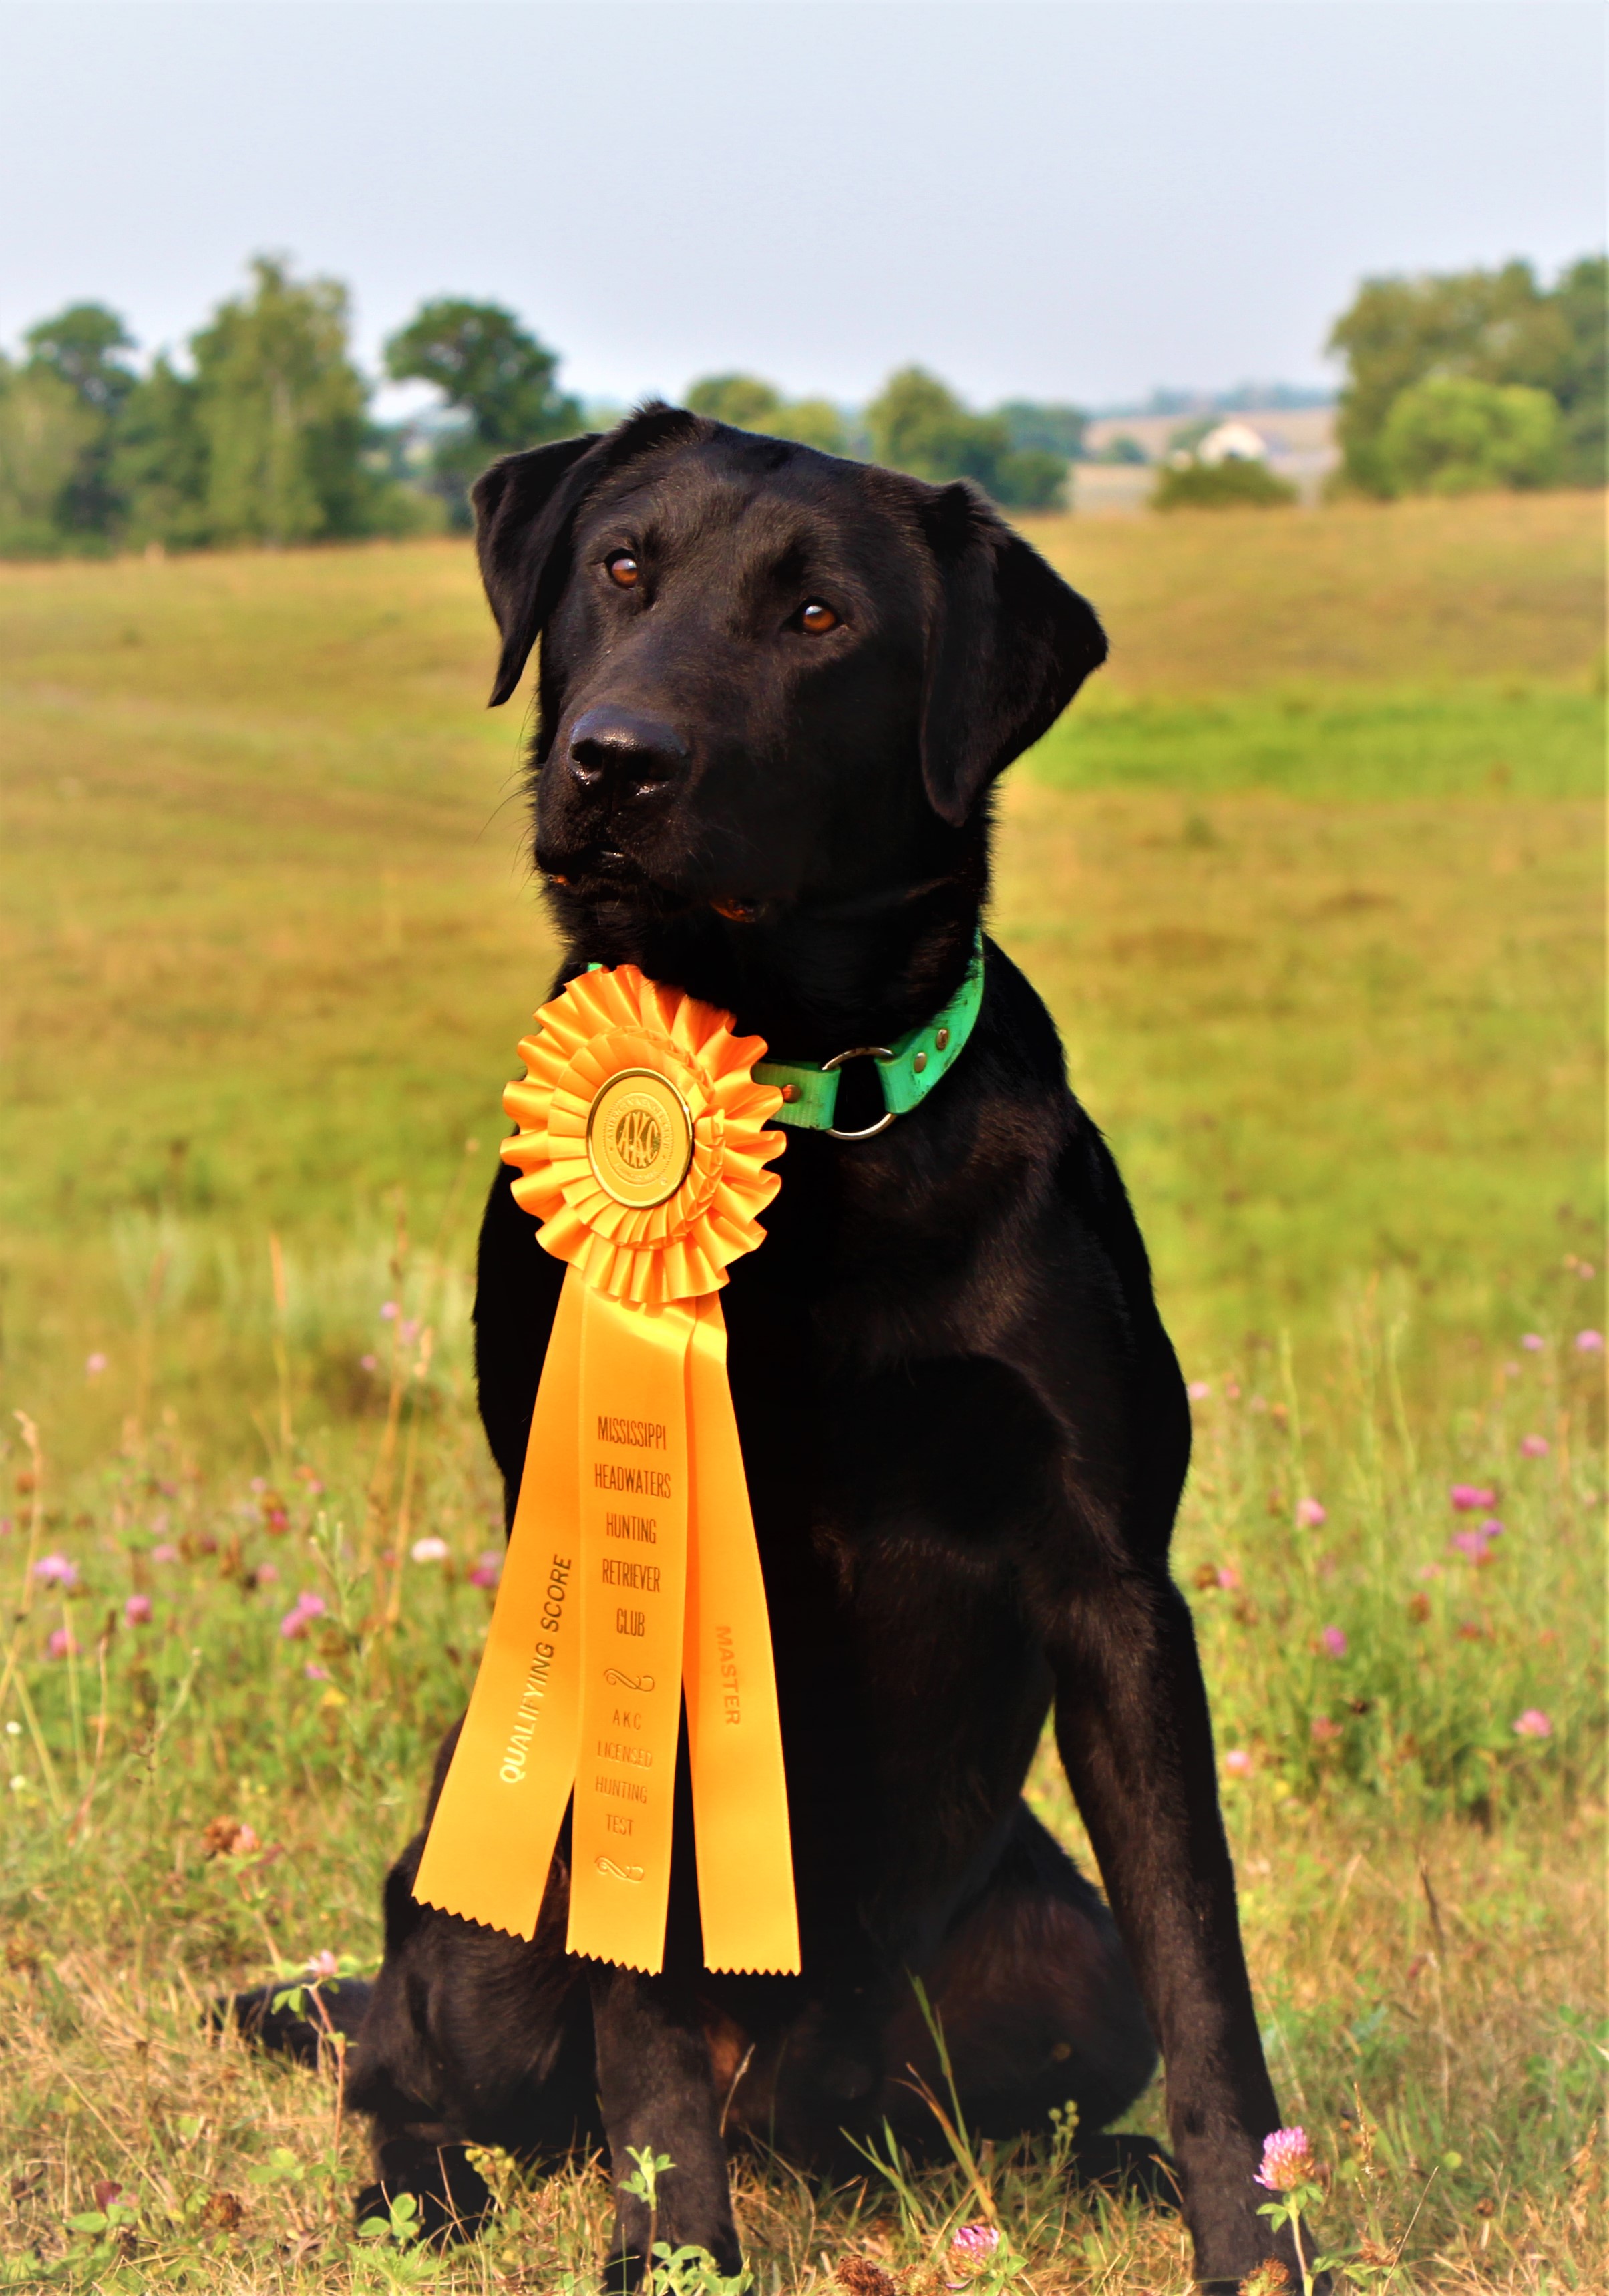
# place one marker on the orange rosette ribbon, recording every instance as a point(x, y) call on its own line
point(633, 1579)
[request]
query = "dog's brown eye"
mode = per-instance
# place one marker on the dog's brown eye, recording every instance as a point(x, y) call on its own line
point(818, 619)
point(622, 568)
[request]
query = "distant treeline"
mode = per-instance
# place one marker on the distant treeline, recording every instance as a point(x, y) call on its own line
point(263, 433)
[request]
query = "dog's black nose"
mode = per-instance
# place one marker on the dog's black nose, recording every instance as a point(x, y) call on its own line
point(622, 748)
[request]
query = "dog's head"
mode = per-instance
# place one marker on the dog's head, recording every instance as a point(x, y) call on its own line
point(767, 677)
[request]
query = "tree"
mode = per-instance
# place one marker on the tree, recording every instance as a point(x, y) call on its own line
point(159, 465)
point(749, 404)
point(493, 373)
point(46, 434)
point(283, 414)
point(1230, 485)
point(1053, 429)
point(919, 424)
point(80, 345)
point(1499, 328)
point(1451, 434)
point(1580, 382)
point(79, 349)
point(742, 400)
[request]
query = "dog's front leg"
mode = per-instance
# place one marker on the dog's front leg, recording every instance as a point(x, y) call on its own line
point(658, 2092)
point(1134, 1735)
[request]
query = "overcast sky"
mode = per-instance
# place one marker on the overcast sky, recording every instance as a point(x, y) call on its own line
point(1078, 198)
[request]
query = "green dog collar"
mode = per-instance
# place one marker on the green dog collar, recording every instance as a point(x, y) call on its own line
point(908, 1068)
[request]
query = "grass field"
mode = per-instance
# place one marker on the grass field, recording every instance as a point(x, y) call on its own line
point(1312, 879)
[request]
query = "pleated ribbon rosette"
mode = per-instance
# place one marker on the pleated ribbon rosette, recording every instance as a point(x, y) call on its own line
point(632, 1578)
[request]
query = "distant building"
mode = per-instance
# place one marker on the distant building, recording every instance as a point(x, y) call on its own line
point(1295, 442)
point(1233, 442)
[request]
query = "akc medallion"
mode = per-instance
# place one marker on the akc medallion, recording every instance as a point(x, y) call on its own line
point(639, 1138)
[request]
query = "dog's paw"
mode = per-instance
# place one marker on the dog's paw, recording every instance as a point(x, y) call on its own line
point(303, 2033)
point(452, 2199)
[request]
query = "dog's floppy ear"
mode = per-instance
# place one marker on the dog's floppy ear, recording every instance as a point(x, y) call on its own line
point(1009, 645)
point(523, 506)
point(524, 509)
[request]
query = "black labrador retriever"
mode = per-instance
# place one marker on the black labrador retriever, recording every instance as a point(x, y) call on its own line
point(775, 690)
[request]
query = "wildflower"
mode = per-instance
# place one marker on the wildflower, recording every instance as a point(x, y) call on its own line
point(228, 1837)
point(1199, 1390)
point(1310, 1515)
point(388, 1313)
point(136, 1610)
point(1533, 1446)
point(259, 1484)
point(165, 1554)
point(1472, 1543)
point(972, 2248)
point(316, 1673)
point(1533, 1724)
point(267, 1574)
point(105, 2192)
point(368, 1363)
point(1324, 1729)
point(1493, 1528)
point(1589, 1343)
point(296, 1621)
point(1532, 1341)
point(1467, 1497)
point(1585, 1269)
point(1232, 1390)
point(1228, 1577)
point(407, 1331)
point(1238, 1762)
point(1333, 1641)
point(1287, 2160)
point(62, 1643)
point(94, 1364)
point(486, 1571)
point(429, 1550)
point(56, 1570)
point(323, 1963)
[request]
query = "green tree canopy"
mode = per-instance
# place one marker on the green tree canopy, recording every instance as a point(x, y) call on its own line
point(918, 424)
point(81, 346)
point(1500, 328)
point(1053, 429)
point(749, 403)
point(742, 400)
point(46, 433)
point(491, 371)
point(159, 464)
point(284, 411)
point(1451, 434)
point(79, 349)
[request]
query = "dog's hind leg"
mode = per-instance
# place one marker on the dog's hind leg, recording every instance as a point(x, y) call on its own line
point(1038, 2009)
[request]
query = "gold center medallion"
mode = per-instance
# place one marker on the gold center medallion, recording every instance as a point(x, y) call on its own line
point(639, 1138)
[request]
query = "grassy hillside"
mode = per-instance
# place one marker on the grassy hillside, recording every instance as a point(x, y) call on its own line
point(1312, 879)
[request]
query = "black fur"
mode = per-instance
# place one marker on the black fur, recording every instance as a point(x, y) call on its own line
point(964, 1426)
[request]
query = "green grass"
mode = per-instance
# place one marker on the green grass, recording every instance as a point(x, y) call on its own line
point(1313, 882)
point(1350, 744)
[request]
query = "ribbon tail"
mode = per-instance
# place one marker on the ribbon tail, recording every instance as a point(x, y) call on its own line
point(740, 1795)
point(633, 1446)
point(496, 1827)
